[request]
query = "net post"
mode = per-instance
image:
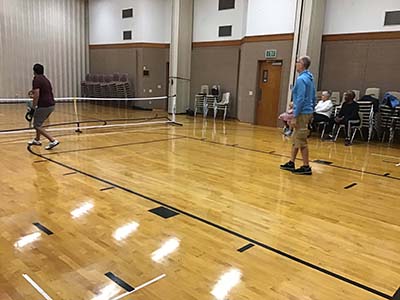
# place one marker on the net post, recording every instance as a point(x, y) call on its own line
point(76, 117)
point(174, 109)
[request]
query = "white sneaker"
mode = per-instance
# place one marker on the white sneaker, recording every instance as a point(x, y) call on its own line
point(35, 142)
point(52, 144)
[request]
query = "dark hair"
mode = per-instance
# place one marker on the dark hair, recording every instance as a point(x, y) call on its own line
point(38, 69)
point(351, 94)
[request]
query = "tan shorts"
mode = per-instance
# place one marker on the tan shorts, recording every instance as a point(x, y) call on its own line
point(299, 137)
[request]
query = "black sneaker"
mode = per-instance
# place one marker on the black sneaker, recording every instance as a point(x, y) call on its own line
point(289, 166)
point(347, 142)
point(304, 170)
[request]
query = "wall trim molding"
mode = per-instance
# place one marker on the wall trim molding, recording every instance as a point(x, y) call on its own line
point(217, 44)
point(362, 36)
point(129, 45)
point(268, 38)
point(246, 39)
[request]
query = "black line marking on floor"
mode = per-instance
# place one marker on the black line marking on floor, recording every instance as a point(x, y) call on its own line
point(107, 188)
point(227, 230)
point(386, 174)
point(247, 247)
point(396, 296)
point(71, 173)
point(350, 186)
point(43, 228)
point(234, 145)
point(39, 161)
point(273, 153)
point(127, 287)
point(323, 162)
point(114, 146)
point(164, 212)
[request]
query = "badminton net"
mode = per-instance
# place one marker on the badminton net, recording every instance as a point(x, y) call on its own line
point(79, 114)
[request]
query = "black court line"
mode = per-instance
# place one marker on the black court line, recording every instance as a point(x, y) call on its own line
point(273, 153)
point(107, 188)
point(70, 173)
point(114, 146)
point(227, 230)
point(127, 287)
point(396, 296)
point(247, 247)
point(350, 186)
point(386, 174)
point(39, 161)
point(43, 228)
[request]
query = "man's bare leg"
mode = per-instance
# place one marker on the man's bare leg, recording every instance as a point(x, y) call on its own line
point(41, 131)
point(304, 153)
point(294, 153)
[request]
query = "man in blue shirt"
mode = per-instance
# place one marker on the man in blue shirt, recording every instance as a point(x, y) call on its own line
point(304, 102)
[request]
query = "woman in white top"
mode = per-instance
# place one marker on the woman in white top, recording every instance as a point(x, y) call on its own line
point(324, 108)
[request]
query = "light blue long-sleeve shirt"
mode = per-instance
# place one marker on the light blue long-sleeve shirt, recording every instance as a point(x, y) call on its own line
point(304, 99)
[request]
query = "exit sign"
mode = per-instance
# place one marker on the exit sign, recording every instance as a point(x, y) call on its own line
point(271, 53)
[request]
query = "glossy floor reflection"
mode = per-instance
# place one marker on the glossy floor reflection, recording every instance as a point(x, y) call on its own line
point(313, 238)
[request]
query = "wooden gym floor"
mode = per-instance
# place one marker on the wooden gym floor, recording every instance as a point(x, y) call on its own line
point(331, 236)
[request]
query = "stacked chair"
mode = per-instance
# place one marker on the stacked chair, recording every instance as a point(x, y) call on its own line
point(107, 86)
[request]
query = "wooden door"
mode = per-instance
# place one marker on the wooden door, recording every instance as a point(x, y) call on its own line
point(268, 95)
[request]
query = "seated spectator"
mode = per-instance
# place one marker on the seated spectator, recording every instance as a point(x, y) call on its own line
point(323, 109)
point(286, 117)
point(348, 112)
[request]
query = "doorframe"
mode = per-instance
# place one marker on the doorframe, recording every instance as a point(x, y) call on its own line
point(259, 62)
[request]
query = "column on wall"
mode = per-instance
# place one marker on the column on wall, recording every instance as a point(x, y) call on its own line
point(181, 53)
point(310, 15)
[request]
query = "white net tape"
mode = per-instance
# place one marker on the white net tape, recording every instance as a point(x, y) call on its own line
point(80, 113)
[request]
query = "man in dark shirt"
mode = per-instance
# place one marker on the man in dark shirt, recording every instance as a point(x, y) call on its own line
point(43, 103)
point(348, 113)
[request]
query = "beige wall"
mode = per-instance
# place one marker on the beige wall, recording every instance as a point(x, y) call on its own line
point(132, 61)
point(360, 64)
point(155, 61)
point(216, 65)
point(108, 61)
point(251, 53)
point(345, 64)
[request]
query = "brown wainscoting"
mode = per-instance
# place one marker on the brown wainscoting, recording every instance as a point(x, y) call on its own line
point(129, 45)
point(388, 35)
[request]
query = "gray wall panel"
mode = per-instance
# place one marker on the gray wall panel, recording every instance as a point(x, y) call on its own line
point(216, 65)
point(360, 64)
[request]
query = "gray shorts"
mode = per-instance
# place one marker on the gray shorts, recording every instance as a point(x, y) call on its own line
point(41, 115)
